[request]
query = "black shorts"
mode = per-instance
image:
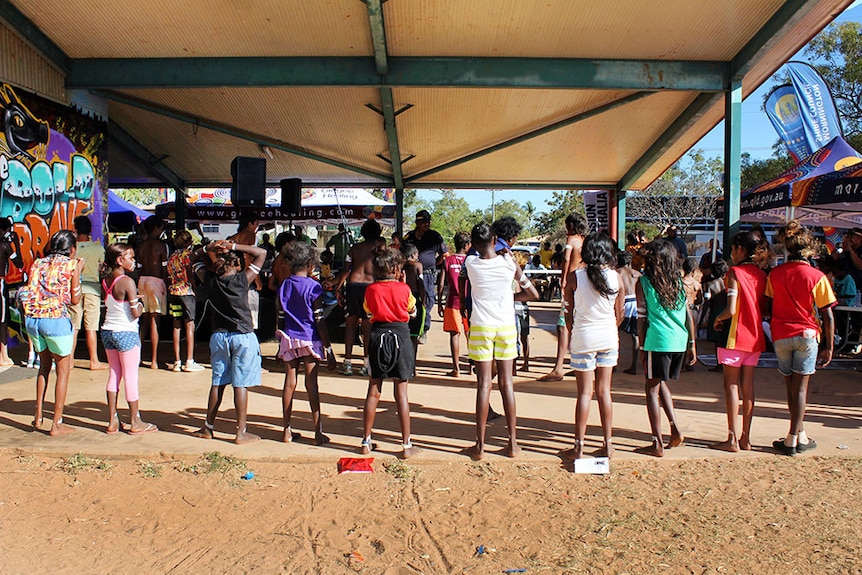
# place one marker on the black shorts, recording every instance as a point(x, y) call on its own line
point(663, 365)
point(182, 307)
point(355, 297)
point(390, 351)
point(630, 325)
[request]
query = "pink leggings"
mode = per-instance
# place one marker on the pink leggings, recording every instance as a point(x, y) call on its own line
point(124, 365)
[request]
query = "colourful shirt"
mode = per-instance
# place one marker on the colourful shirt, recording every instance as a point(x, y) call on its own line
point(94, 255)
point(389, 301)
point(452, 270)
point(667, 329)
point(297, 295)
point(49, 290)
point(546, 257)
point(178, 272)
point(797, 290)
point(746, 323)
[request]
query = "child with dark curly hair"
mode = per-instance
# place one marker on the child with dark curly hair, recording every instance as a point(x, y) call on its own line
point(234, 348)
point(389, 304)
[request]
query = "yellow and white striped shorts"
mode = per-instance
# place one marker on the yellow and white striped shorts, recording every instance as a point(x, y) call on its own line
point(489, 343)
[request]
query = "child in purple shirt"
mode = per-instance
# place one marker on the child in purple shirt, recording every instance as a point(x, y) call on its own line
point(304, 337)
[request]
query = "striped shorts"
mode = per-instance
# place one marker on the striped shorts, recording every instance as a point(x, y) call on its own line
point(486, 343)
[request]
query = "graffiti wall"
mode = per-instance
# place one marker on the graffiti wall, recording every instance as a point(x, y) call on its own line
point(53, 168)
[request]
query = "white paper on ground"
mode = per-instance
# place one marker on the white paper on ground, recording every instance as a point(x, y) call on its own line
point(595, 465)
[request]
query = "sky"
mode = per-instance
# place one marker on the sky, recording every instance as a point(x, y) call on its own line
point(758, 136)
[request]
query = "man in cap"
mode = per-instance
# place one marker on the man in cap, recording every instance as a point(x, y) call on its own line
point(432, 252)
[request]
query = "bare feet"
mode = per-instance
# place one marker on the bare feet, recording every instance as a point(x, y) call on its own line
point(367, 447)
point(154, 365)
point(6, 362)
point(744, 444)
point(570, 454)
point(654, 449)
point(676, 439)
point(453, 373)
point(58, 429)
point(37, 422)
point(244, 436)
point(606, 450)
point(513, 450)
point(553, 376)
point(409, 452)
point(204, 433)
point(631, 371)
point(525, 367)
point(730, 444)
point(474, 452)
point(98, 366)
point(320, 439)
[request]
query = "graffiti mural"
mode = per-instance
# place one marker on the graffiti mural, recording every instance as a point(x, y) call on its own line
point(53, 168)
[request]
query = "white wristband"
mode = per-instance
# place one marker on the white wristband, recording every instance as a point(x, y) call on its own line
point(233, 247)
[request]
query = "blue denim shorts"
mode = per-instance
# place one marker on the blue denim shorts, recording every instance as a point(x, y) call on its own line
point(796, 355)
point(589, 361)
point(53, 334)
point(235, 359)
point(120, 340)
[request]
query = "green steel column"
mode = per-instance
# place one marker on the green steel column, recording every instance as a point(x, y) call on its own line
point(399, 211)
point(180, 207)
point(732, 158)
point(620, 196)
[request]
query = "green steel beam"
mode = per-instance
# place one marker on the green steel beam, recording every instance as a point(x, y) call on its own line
point(700, 76)
point(32, 34)
point(783, 19)
point(378, 35)
point(530, 135)
point(392, 136)
point(120, 136)
point(660, 146)
point(620, 198)
point(237, 133)
point(732, 159)
point(509, 186)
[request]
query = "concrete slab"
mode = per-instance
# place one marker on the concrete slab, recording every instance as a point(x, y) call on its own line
point(441, 407)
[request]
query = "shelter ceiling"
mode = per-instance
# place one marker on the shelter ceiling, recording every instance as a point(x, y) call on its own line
point(591, 93)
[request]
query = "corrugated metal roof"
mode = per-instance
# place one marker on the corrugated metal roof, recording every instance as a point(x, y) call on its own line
point(24, 66)
point(325, 116)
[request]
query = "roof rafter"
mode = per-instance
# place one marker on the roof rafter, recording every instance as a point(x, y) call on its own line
point(25, 28)
point(529, 135)
point(122, 137)
point(563, 73)
point(236, 133)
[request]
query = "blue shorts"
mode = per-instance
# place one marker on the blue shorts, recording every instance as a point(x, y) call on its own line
point(796, 355)
point(235, 359)
point(120, 340)
point(590, 360)
point(53, 334)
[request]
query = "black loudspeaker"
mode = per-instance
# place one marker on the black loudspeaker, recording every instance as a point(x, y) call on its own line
point(291, 195)
point(249, 182)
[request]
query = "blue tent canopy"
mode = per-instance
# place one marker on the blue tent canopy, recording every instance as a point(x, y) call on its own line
point(123, 215)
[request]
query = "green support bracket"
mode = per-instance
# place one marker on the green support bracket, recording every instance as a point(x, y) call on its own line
point(732, 159)
point(620, 196)
point(237, 133)
point(392, 136)
point(378, 35)
point(530, 135)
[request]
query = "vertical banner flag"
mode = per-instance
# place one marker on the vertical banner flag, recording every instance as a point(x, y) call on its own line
point(816, 107)
point(596, 208)
point(782, 109)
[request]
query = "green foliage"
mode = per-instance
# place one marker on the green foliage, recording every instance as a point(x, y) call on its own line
point(140, 196)
point(650, 230)
point(150, 469)
point(80, 462)
point(398, 469)
point(552, 223)
point(213, 462)
point(684, 194)
point(756, 172)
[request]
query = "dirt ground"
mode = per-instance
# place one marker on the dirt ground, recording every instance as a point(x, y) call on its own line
point(167, 502)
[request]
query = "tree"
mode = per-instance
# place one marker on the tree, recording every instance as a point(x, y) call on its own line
point(685, 193)
point(553, 222)
point(141, 196)
point(756, 172)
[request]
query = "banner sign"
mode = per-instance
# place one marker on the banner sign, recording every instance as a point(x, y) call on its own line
point(817, 109)
point(596, 208)
point(782, 109)
point(53, 168)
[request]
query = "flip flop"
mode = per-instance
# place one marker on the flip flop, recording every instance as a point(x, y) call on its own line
point(150, 427)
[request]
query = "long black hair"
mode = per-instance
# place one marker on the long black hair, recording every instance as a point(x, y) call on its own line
point(597, 252)
point(662, 267)
point(756, 248)
point(62, 243)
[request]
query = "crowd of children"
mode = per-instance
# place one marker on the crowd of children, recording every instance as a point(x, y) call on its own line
point(482, 293)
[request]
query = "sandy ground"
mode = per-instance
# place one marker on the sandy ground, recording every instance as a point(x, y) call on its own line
point(90, 502)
